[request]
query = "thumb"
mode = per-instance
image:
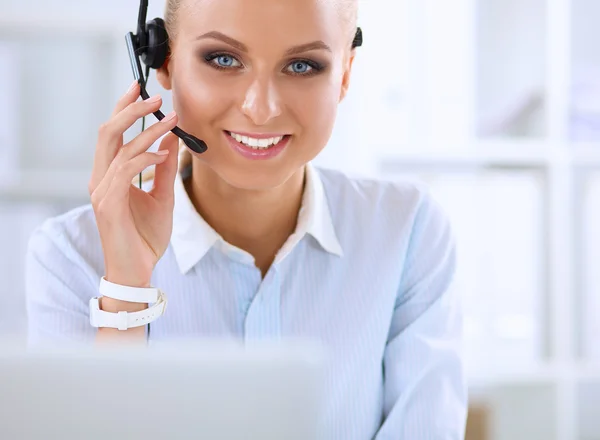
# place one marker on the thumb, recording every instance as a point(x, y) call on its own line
point(164, 173)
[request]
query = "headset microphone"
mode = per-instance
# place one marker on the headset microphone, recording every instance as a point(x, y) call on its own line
point(152, 44)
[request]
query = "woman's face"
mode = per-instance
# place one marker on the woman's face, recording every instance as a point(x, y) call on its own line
point(242, 70)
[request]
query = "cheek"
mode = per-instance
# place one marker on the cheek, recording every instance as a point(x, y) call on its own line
point(198, 100)
point(316, 109)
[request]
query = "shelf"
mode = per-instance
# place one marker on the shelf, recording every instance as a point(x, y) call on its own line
point(68, 17)
point(109, 17)
point(526, 375)
point(585, 154)
point(494, 376)
point(498, 154)
point(503, 153)
point(44, 185)
point(94, 28)
point(588, 372)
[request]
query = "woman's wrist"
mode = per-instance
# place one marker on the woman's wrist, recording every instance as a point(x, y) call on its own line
point(131, 280)
point(113, 305)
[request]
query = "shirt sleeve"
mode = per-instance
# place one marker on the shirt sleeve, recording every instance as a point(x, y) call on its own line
point(425, 392)
point(58, 284)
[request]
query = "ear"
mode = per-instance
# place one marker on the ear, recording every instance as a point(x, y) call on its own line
point(163, 75)
point(346, 77)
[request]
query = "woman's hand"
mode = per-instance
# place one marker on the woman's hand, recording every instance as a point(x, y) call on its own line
point(135, 227)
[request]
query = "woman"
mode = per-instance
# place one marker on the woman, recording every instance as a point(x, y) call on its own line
point(249, 239)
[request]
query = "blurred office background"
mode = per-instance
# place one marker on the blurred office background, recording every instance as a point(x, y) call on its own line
point(493, 103)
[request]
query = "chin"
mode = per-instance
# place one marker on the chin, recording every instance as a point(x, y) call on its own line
point(241, 171)
point(251, 179)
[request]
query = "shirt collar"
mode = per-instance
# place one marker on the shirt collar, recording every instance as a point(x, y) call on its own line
point(192, 237)
point(314, 217)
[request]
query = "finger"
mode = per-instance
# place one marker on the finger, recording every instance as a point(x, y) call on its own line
point(132, 94)
point(110, 136)
point(124, 173)
point(141, 143)
point(115, 172)
point(165, 172)
point(111, 133)
point(148, 137)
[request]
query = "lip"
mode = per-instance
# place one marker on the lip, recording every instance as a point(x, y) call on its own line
point(251, 153)
point(258, 135)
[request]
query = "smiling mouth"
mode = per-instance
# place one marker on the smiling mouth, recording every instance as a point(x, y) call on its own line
point(258, 143)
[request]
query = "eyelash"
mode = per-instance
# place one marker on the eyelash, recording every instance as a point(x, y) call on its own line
point(316, 68)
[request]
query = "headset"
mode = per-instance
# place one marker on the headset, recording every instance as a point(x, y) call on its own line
point(151, 45)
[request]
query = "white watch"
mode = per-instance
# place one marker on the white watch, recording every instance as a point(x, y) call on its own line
point(126, 320)
point(129, 294)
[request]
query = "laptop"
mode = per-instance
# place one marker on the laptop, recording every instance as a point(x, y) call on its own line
point(208, 390)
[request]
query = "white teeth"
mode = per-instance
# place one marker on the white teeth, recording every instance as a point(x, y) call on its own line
point(256, 143)
point(237, 137)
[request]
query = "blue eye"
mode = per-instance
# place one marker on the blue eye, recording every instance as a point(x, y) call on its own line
point(300, 67)
point(222, 61)
point(225, 60)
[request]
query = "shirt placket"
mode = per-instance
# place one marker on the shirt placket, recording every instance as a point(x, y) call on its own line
point(263, 320)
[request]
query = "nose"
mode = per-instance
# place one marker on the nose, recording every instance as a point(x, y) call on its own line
point(262, 102)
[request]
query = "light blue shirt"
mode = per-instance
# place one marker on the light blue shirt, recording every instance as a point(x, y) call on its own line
point(367, 274)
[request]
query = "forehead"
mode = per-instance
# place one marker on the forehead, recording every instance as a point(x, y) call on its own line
point(254, 22)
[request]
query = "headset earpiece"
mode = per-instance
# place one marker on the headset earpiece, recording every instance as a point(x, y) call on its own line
point(358, 38)
point(154, 45)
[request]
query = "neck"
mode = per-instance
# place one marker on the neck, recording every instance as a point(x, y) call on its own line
point(258, 222)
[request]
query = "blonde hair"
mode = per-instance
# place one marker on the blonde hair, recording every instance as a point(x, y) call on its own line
point(171, 10)
point(348, 10)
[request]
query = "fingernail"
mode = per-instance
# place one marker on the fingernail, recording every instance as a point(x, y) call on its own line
point(154, 99)
point(132, 86)
point(169, 117)
point(162, 152)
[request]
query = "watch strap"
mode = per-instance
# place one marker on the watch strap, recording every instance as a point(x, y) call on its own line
point(119, 292)
point(126, 320)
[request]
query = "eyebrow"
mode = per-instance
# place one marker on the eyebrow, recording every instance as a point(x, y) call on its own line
point(315, 45)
